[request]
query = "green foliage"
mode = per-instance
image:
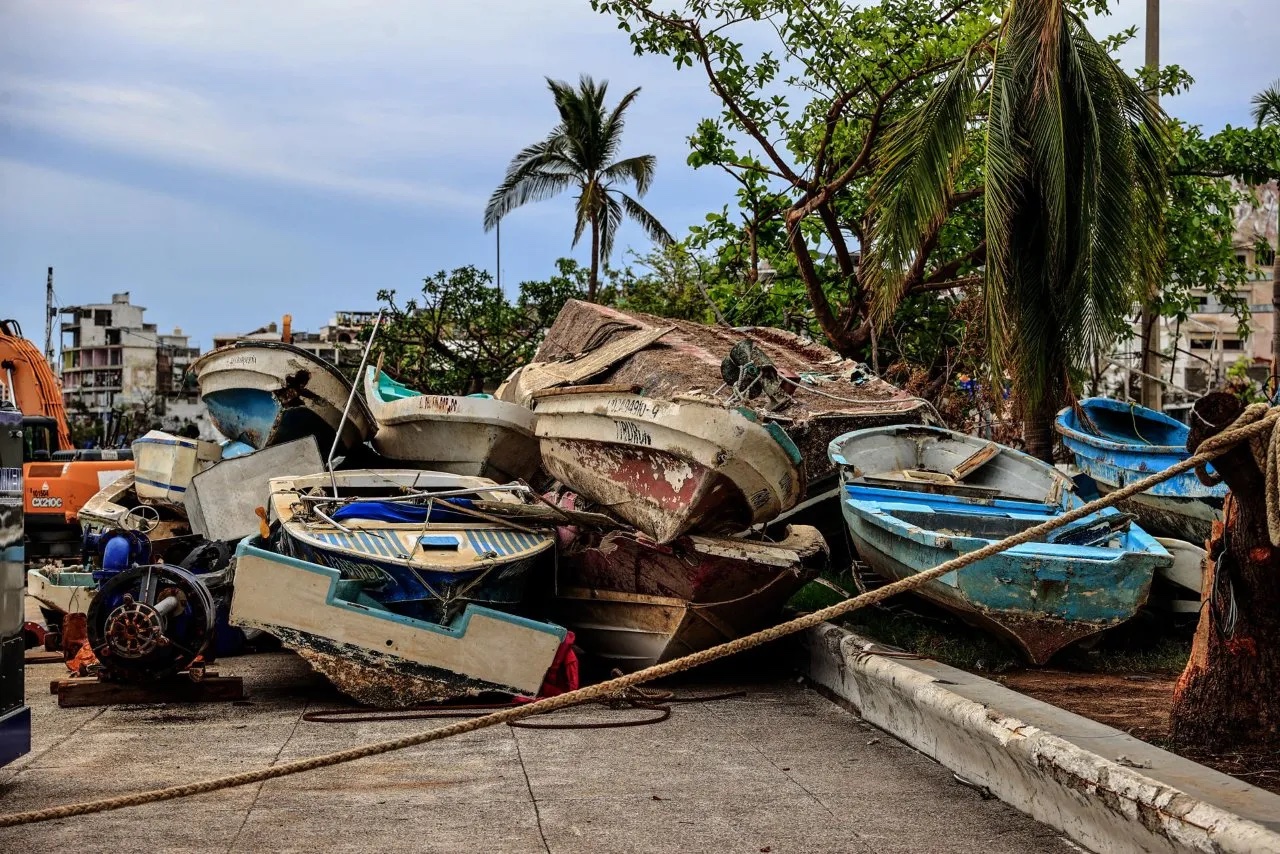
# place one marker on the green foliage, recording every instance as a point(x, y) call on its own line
point(581, 153)
point(1242, 385)
point(463, 335)
point(1266, 106)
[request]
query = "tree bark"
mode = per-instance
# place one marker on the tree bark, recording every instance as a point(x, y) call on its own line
point(595, 258)
point(1229, 693)
point(1037, 428)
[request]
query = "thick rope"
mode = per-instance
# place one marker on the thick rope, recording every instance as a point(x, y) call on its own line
point(1253, 422)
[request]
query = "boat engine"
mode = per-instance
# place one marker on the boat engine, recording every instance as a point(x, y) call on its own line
point(149, 622)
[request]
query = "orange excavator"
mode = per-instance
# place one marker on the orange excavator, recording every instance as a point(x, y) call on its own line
point(57, 479)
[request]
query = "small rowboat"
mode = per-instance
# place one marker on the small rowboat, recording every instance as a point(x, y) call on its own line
point(667, 466)
point(476, 435)
point(376, 655)
point(1127, 442)
point(417, 554)
point(632, 602)
point(263, 393)
point(915, 497)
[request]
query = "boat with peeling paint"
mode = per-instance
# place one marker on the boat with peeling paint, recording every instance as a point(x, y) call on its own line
point(1118, 443)
point(164, 465)
point(667, 466)
point(264, 393)
point(375, 655)
point(475, 435)
point(632, 602)
point(915, 497)
point(411, 538)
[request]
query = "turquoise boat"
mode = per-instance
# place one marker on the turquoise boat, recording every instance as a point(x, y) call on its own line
point(915, 497)
point(1126, 442)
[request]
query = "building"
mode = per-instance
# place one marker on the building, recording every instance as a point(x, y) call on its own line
point(113, 360)
point(1198, 351)
point(337, 342)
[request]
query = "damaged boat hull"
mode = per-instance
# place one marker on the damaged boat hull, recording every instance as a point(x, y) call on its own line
point(379, 657)
point(265, 393)
point(632, 602)
point(667, 467)
point(1127, 442)
point(914, 498)
point(476, 435)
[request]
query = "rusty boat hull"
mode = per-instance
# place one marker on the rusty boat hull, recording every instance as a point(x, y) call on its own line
point(632, 602)
point(265, 393)
point(667, 467)
point(916, 497)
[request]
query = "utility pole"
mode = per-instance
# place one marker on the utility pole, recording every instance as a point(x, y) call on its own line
point(1152, 394)
point(49, 313)
point(498, 264)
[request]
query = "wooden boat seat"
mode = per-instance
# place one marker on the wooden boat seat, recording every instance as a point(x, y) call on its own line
point(938, 485)
point(1092, 532)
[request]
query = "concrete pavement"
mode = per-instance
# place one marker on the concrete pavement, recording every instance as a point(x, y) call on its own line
point(781, 770)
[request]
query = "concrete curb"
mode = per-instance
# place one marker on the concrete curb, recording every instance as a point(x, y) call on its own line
point(1102, 788)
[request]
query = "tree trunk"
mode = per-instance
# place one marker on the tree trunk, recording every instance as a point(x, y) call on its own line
point(836, 333)
point(1037, 429)
point(1229, 694)
point(595, 258)
point(1275, 304)
point(1152, 392)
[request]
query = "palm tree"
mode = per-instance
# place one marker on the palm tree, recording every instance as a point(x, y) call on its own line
point(1266, 111)
point(1075, 178)
point(579, 153)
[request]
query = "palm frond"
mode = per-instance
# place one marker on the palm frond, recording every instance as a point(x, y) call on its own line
point(1266, 105)
point(639, 170)
point(611, 129)
point(647, 221)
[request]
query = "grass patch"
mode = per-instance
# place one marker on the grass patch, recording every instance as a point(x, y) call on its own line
point(1147, 644)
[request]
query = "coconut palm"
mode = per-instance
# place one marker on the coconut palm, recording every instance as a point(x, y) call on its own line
point(1074, 170)
point(579, 153)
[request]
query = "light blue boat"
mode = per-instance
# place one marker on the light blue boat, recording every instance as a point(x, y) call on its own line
point(915, 497)
point(1127, 442)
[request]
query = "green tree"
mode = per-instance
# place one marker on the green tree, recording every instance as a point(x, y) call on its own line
point(580, 153)
point(1075, 161)
point(463, 335)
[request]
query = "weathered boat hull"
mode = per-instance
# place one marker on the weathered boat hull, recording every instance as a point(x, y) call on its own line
point(266, 393)
point(379, 657)
point(632, 602)
point(470, 563)
point(61, 591)
point(827, 395)
point(1126, 443)
point(109, 509)
point(916, 497)
point(476, 436)
point(667, 467)
point(164, 465)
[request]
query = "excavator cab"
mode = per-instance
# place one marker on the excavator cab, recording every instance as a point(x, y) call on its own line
point(39, 438)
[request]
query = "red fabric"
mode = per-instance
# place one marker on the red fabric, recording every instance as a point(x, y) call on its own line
point(562, 676)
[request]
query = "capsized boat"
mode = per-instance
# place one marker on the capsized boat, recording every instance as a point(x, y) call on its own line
point(475, 435)
point(915, 497)
point(263, 393)
point(343, 628)
point(632, 602)
point(1127, 442)
point(811, 392)
point(667, 466)
point(411, 538)
point(164, 465)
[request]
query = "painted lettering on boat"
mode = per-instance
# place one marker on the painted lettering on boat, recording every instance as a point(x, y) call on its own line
point(242, 360)
point(630, 433)
point(438, 403)
point(636, 406)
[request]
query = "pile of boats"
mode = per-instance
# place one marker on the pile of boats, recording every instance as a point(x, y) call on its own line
point(638, 492)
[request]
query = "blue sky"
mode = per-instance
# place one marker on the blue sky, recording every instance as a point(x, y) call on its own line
point(229, 161)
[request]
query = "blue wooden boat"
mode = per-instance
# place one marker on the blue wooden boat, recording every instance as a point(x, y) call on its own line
point(378, 656)
point(418, 555)
point(914, 497)
point(1127, 442)
point(264, 393)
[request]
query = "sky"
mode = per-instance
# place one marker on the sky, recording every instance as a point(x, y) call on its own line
point(227, 161)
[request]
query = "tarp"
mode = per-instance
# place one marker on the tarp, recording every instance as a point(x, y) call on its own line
point(395, 511)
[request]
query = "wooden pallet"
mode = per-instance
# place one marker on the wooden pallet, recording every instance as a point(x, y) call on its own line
point(89, 691)
point(41, 657)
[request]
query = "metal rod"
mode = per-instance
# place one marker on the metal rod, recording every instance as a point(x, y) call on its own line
point(413, 496)
point(337, 436)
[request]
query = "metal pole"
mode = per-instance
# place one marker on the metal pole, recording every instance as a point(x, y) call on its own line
point(498, 264)
point(1152, 392)
point(337, 436)
point(48, 318)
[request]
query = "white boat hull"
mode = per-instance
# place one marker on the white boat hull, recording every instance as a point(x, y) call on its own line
point(164, 465)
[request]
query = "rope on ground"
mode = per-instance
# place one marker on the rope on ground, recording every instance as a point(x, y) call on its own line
point(1254, 422)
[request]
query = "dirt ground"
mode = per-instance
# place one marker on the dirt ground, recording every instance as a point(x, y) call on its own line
point(1139, 705)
